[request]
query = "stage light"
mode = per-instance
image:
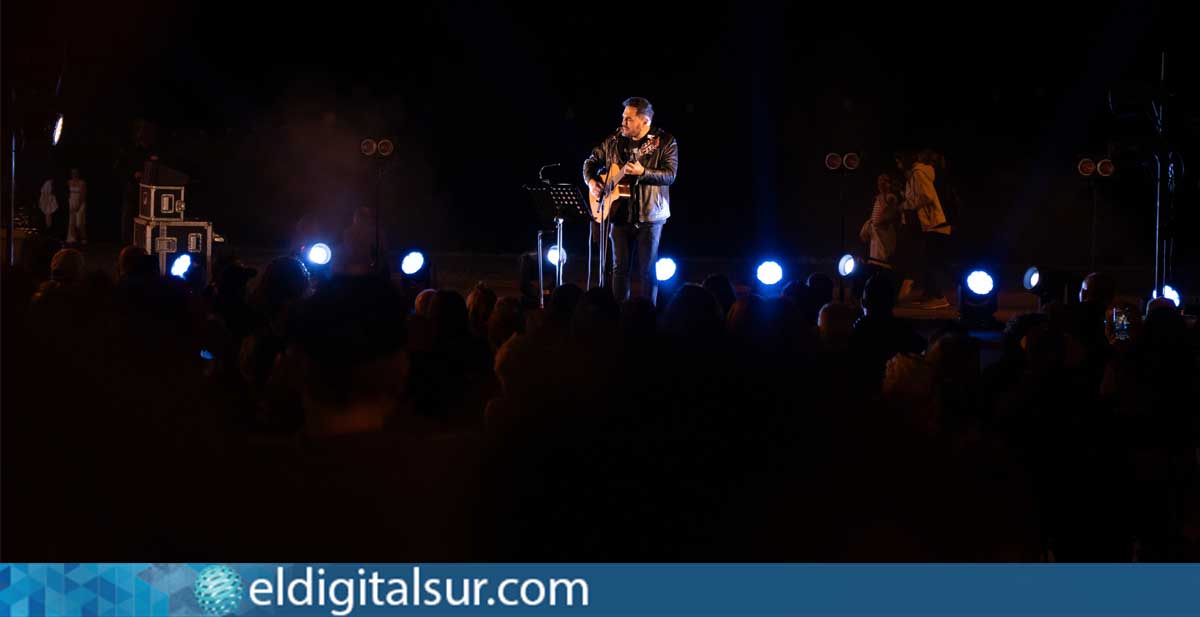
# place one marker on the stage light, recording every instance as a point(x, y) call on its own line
point(412, 263)
point(769, 273)
point(56, 132)
point(1105, 167)
point(1169, 293)
point(1086, 167)
point(1049, 285)
point(664, 269)
point(833, 161)
point(418, 271)
point(553, 255)
point(846, 265)
point(386, 147)
point(368, 147)
point(978, 300)
point(980, 283)
point(206, 354)
point(1032, 278)
point(319, 254)
point(180, 266)
point(851, 161)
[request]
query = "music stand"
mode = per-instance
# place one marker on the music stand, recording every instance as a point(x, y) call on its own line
point(556, 203)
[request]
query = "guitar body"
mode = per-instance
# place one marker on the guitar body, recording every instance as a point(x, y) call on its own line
point(602, 207)
point(614, 186)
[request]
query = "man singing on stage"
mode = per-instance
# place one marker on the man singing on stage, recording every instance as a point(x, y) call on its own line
point(647, 158)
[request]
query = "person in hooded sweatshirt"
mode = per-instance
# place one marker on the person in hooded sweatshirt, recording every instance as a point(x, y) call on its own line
point(921, 200)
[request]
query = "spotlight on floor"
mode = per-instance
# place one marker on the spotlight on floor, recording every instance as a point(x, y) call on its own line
point(1169, 293)
point(769, 273)
point(181, 265)
point(664, 269)
point(1049, 285)
point(978, 300)
point(412, 263)
point(416, 273)
point(846, 265)
point(319, 254)
point(1032, 277)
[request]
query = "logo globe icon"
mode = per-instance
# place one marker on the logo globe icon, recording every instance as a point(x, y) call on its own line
point(218, 590)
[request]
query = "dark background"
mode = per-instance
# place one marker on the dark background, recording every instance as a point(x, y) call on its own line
point(265, 105)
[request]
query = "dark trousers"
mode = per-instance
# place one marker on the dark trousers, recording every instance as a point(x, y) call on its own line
point(646, 236)
point(909, 259)
point(934, 269)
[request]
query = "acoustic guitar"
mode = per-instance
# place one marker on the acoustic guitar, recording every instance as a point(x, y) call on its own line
point(616, 185)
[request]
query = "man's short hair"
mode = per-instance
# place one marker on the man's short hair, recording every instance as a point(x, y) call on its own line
point(643, 106)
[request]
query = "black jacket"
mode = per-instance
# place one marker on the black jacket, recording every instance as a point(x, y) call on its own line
point(653, 192)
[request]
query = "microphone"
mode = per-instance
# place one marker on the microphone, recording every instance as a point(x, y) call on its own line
point(542, 172)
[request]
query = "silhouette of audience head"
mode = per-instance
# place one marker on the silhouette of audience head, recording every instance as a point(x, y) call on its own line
point(481, 301)
point(836, 323)
point(820, 288)
point(285, 282)
point(722, 289)
point(67, 267)
point(564, 300)
point(1098, 287)
point(507, 319)
point(693, 315)
point(129, 262)
point(879, 295)
point(638, 319)
point(423, 305)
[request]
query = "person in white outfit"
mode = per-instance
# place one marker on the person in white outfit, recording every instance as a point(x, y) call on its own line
point(880, 230)
point(77, 209)
point(921, 199)
point(48, 203)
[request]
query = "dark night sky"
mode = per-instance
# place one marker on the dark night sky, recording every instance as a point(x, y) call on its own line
point(265, 106)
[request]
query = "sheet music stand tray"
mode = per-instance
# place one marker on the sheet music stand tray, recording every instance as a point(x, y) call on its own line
point(558, 201)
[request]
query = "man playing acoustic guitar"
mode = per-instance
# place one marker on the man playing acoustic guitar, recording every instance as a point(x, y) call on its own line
point(629, 174)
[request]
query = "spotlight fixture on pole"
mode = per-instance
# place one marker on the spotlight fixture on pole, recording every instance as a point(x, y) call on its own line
point(844, 163)
point(1153, 102)
point(1089, 169)
point(378, 149)
point(15, 112)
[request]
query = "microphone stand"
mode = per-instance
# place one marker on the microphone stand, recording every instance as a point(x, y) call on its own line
point(605, 225)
